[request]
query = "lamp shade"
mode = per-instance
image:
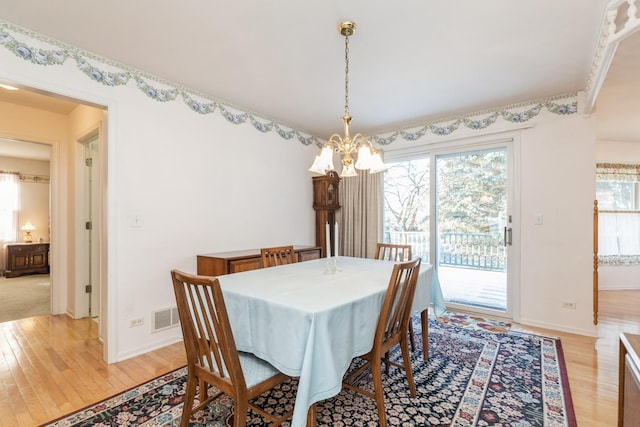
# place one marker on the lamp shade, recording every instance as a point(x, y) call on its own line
point(377, 165)
point(364, 158)
point(317, 166)
point(28, 227)
point(348, 171)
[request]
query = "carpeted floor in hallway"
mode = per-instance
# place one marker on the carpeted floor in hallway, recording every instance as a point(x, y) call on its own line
point(24, 296)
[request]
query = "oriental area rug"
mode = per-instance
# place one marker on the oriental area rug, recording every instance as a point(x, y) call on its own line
point(473, 377)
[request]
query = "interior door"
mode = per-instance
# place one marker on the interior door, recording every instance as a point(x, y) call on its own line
point(94, 191)
point(88, 273)
point(473, 228)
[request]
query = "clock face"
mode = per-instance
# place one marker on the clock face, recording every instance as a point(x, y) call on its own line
point(331, 194)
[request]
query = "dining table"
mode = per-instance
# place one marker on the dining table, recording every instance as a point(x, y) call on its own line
point(311, 319)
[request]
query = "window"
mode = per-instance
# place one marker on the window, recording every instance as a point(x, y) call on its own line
point(618, 194)
point(406, 205)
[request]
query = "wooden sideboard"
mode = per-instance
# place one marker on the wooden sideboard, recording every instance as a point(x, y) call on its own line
point(217, 264)
point(629, 381)
point(27, 258)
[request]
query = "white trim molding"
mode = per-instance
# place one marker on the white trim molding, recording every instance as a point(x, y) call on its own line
point(616, 26)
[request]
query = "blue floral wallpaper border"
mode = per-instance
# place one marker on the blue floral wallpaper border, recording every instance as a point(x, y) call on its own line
point(94, 67)
point(478, 121)
point(618, 259)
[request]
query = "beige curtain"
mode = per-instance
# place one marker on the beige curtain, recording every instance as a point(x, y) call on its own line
point(360, 223)
point(9, 205)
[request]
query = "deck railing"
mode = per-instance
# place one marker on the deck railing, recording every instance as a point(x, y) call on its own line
point(473, 250)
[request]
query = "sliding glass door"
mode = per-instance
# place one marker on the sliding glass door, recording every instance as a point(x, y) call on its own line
point(473, 228)
point(454, 206)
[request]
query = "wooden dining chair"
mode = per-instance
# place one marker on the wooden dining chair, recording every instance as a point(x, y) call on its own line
point(212, 356)
point(395, 252)
point(278, 255)
point(391, 330)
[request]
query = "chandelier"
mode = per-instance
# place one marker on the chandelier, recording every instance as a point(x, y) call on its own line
point(367, 158)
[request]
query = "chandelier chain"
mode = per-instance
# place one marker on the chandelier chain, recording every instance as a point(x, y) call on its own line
point(346, 75)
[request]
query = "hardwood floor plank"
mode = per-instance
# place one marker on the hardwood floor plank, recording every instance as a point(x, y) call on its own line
point(7, 417)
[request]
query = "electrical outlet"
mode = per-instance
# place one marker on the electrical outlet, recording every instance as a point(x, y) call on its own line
point(568, 304)
point(136, 322)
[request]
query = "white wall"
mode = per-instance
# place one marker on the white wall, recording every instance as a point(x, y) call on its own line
point(558, 181)
point(198, 183)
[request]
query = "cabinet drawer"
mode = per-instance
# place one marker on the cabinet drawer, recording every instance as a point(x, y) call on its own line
point(238, 265)
point(40, 248)
point(309, 255)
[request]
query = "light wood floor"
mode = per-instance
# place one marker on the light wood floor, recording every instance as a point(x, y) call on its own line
point(51, 365)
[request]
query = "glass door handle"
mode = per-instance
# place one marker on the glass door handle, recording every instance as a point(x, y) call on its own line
point(508, 236)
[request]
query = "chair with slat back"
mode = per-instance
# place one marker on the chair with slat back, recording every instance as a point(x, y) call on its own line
point(391, 330)
point(212, 356)
point(278, 255)
point(395, 252)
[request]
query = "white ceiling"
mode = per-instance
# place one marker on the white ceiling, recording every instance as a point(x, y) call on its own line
point(410, 61)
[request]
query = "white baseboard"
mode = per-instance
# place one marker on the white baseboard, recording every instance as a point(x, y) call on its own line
point(624, 287)
point(146, 349)
point(591, 332)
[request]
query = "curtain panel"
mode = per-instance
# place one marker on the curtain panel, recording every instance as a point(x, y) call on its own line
point(619, 238)
point(617, 172)
point(8, 212)
point(361, 218)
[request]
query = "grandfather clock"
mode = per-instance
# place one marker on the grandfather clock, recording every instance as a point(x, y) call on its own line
point(325, 203)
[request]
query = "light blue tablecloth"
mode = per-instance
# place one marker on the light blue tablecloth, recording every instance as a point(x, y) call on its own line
point(310, 324)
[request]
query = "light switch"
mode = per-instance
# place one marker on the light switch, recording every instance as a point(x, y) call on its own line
point(538, 219)
point(135, 221)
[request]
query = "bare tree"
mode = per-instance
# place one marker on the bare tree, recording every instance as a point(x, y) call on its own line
point(406, 196)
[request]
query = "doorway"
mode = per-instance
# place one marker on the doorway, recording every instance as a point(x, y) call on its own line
point(67, 289)
point(473, 228)
point(24, 228)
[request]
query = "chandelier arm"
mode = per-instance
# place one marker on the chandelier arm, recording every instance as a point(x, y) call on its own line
point(359, 139)
point(336, 143)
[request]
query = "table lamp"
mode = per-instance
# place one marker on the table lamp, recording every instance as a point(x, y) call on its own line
point(28, 228)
